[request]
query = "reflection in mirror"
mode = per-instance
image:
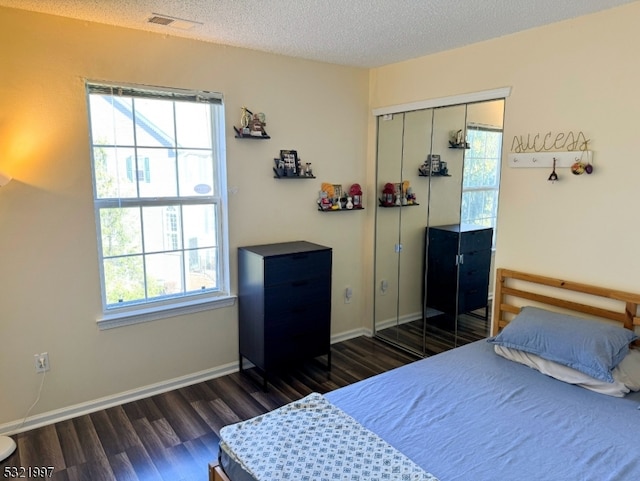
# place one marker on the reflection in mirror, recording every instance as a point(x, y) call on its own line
point(417, 145)
point(460, 253)
point(482, 164)
point(441, 247)
point(428, 294)
point(387, 229)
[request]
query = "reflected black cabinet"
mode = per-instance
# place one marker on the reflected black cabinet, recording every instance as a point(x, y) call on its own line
point(284, 303)
point(459, 262)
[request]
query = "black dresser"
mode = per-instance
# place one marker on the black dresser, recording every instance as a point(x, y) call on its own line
point(284, 301)
point(463, 273)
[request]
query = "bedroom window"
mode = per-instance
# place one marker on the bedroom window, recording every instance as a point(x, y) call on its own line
point(482, 177)
point(159, 196)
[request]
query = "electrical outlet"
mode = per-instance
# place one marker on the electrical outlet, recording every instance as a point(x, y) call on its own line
point(348, 294)
point(41, 361)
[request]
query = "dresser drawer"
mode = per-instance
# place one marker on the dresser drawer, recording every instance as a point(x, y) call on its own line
point(474, 268)
point(298, 318)
point(474, 298)
point(293, 346)
point(294, 267)
point(296, 294)
point(476, 240)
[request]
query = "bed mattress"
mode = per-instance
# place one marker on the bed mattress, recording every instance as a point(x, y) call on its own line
point(468, 414)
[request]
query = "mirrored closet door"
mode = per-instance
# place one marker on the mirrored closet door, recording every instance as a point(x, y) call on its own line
point(437, 178)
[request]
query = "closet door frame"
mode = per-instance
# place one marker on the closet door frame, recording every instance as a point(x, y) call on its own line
point(402, 109)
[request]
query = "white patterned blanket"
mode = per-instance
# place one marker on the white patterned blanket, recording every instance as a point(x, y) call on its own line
point(313, 440)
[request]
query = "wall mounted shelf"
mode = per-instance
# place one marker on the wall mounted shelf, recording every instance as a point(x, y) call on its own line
point(240, 135)
point(295, 177)
point(341, 210)
point(396, 206)
point(434, 175)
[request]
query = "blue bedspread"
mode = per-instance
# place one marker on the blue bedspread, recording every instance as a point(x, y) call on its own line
point(468, 414)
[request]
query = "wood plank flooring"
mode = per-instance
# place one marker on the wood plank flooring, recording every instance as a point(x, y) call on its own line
point(438, 334)
point(173, 436)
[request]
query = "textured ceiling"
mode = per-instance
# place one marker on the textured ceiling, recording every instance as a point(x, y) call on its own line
point(363, 33)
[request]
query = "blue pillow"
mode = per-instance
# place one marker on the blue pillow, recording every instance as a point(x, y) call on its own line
point(592, 347)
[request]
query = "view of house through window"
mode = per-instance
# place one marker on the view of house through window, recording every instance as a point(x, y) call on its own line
point(158, 177)
point(481, 177)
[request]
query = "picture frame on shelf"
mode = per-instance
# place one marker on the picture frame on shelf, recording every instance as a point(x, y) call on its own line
point(290, 159)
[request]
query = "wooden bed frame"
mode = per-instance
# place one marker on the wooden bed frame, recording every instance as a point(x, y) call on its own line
point(515, 289)
point(216, 473)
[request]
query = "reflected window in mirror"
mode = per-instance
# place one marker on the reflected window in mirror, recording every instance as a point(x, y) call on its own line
point(482, 177)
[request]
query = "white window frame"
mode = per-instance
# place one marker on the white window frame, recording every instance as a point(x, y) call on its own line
point(184, 303)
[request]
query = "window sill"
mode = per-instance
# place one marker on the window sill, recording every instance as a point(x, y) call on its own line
point(137, 316)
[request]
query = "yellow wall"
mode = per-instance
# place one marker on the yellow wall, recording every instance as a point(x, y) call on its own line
point(49, 281)
point(578, 75)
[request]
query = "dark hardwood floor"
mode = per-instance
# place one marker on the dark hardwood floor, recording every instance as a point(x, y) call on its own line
point(173, 436)
point(438, 334)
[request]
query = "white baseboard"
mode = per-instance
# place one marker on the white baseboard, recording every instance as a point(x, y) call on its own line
point(51, 417)
point(88, 407)
point(345, 336)
point(406, 318)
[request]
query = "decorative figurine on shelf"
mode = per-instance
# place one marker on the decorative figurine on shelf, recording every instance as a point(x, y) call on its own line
point(256, 126)
point(329, 189)
point(387, 195)
point(245, 118)
point(405, 189)
point(324, 202)
point(251, 125)
point(458, 141)
point(398, 201)
point(411, 197)
point(355, 191)
point(349, 205)
point(308, 172)
point(425, 169)
point(328, 197)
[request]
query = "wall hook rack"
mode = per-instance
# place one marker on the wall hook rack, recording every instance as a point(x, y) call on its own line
point(546, 159)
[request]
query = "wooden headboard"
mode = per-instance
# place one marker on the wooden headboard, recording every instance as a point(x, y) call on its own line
point(513, 289)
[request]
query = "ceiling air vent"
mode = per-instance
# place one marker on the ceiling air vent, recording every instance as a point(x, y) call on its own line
point(157, 19)
point(173, 22)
